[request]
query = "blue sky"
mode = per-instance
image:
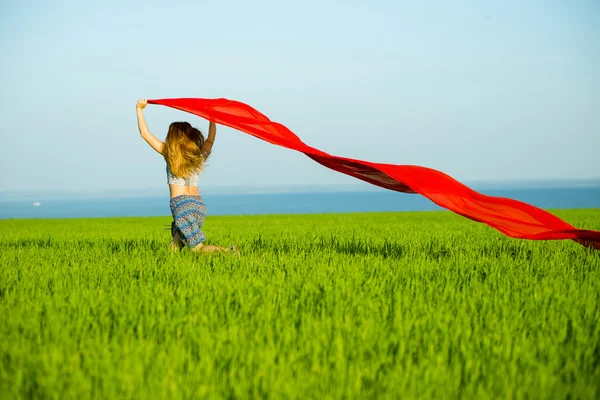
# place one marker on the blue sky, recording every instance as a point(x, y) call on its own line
point(482, 90)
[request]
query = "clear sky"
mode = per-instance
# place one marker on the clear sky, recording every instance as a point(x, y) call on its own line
point(482, 90)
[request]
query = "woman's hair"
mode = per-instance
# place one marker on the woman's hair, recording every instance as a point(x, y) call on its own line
point(183, 149)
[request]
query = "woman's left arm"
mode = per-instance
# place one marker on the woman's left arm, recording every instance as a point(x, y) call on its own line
point(154, 142)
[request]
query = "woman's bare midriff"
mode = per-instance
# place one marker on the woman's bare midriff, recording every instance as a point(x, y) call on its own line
point(177, 190)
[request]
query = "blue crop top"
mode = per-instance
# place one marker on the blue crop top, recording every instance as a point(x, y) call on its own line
point(191, 180)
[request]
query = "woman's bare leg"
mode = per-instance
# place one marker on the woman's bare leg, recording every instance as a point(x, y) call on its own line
point(202, 248)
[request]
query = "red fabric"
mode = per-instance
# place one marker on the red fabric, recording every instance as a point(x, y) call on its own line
point(511, 217)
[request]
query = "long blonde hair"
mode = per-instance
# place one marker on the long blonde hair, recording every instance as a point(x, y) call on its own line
point(183, 149)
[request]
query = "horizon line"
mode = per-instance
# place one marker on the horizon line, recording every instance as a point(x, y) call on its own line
point(311, 188)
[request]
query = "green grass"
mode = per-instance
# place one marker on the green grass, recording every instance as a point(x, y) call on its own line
point(388, 305)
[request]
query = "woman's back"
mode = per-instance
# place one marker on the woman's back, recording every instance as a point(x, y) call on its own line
point(183, 185)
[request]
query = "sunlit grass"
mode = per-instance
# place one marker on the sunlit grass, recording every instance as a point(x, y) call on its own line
point(386, 305)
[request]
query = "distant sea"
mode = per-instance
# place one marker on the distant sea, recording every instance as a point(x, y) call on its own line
point(311, 202)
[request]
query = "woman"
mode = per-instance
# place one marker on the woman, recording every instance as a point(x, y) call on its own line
point(185, 151)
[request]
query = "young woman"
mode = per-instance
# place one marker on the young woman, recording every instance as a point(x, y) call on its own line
point(185, 151)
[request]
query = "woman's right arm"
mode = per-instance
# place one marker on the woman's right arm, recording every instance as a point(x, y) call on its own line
point(208, 143)
point(154, 142)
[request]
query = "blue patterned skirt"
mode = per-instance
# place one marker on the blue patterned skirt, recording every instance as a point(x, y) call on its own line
point(189, 213)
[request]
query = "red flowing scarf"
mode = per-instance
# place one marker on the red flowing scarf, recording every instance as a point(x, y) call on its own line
point(511, 217)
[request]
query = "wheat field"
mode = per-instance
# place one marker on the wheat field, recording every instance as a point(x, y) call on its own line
point(421, 305)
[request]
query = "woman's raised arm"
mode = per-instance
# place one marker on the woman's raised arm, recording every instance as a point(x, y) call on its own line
point(208, 143)
point(154, 142)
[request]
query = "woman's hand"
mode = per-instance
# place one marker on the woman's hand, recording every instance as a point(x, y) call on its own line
point(141, 104)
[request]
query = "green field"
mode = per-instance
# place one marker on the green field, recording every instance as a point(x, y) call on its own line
point(389, 305)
